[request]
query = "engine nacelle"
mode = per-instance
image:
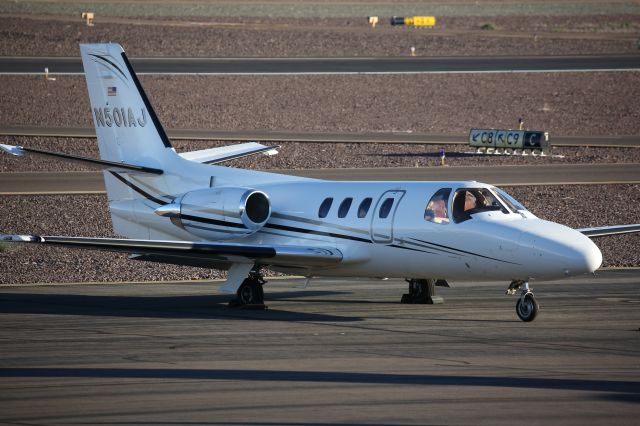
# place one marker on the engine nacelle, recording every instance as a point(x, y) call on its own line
point(219, 213)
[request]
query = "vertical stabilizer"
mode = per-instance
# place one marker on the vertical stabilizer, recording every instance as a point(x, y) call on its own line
point(127, 128)
point(128, 131)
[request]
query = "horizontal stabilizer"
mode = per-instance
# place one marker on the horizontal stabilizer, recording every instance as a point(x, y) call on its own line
point(226, 153)
point(610, 230)
point(293, 256)
point(20, 151)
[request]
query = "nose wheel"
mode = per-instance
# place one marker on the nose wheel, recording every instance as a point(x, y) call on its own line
point(526, 307)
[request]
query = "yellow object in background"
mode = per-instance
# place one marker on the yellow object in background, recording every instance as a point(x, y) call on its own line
point(89, 17)
point(416, 21)
point(420, 21)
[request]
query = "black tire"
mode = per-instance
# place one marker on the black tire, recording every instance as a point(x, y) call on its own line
point(527, 308)
point(420, 291)
point(250, 293)
point(425, 289)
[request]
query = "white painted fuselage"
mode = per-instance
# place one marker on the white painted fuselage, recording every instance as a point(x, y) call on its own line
point(504, 244)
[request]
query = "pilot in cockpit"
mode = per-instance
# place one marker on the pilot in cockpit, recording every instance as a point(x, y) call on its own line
point(470, 201)
point(436, 210)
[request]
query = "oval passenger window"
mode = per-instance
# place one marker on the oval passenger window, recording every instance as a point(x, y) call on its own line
point(325, 207)
point(385, 208)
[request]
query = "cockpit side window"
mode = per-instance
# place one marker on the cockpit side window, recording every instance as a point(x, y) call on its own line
point(468, 201)
point(436, 210)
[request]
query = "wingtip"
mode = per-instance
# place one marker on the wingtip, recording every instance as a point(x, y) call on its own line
point(20, 238)
point(18, 151)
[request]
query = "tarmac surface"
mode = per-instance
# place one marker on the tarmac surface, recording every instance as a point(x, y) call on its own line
point(337, 352)
point(329, 137)
point(92, 182)
point(361, 65)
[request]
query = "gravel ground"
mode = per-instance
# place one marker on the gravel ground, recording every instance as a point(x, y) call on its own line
point(87, 215)
point(25, 35)
point(321, 9)
point(562, 103)
point(303, 155)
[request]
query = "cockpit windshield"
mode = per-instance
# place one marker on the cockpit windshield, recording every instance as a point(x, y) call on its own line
point(511, 202)
point(469, 201)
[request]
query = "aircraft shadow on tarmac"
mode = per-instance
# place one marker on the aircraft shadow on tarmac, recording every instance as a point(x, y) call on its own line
point(196, 306)
point(607, 389)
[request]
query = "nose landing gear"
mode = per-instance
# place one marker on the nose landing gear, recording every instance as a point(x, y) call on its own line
point(526, 307)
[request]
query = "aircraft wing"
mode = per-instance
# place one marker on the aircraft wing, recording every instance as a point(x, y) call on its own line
point(609, 230)
point(195, 252)
point(226, 153)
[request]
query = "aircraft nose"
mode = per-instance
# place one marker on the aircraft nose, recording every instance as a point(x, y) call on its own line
point(561, 251)
point(581, 256)
point(588, 258)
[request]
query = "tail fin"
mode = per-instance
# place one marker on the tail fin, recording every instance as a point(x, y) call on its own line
point(127, 127)
point(128, 131)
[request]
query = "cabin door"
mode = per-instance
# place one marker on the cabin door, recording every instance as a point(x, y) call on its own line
point(383, 215)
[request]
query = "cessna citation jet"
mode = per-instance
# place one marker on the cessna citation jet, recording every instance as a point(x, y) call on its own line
point(185, 209)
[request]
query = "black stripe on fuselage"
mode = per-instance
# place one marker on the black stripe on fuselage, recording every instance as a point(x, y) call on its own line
point(311, 231)
point(466, 252)
point(308, 221)
point(411, 249)
point(287, 227)
point(224, 231)
point(212, 221)
point(139, 190)
point(458, 254)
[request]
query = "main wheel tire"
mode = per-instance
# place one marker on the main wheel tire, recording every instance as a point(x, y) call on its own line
point(250, 293)
point(424, 290)
point(527, 308)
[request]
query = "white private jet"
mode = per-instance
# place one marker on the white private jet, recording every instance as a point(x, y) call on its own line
point(184, 209)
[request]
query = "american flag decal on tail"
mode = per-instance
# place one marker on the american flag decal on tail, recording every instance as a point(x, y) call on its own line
point(112, 91)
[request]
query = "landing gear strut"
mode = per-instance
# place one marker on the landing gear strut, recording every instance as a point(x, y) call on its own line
point(422, 291)
point(526, 307)
point(250, 294)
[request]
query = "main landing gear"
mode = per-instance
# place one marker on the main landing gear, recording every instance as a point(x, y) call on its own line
point(423, 291)
point(526, 307)
point(250, 294)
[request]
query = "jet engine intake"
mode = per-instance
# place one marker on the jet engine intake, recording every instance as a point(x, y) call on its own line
point(219, 213)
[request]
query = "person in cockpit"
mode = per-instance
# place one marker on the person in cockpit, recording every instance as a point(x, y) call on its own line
point(470, 201)
point(436, 210)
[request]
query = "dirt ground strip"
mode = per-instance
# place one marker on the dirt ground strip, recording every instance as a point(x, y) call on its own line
point(561, 103)
point(87, 215)
point(304, 155)
point(36, 35)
